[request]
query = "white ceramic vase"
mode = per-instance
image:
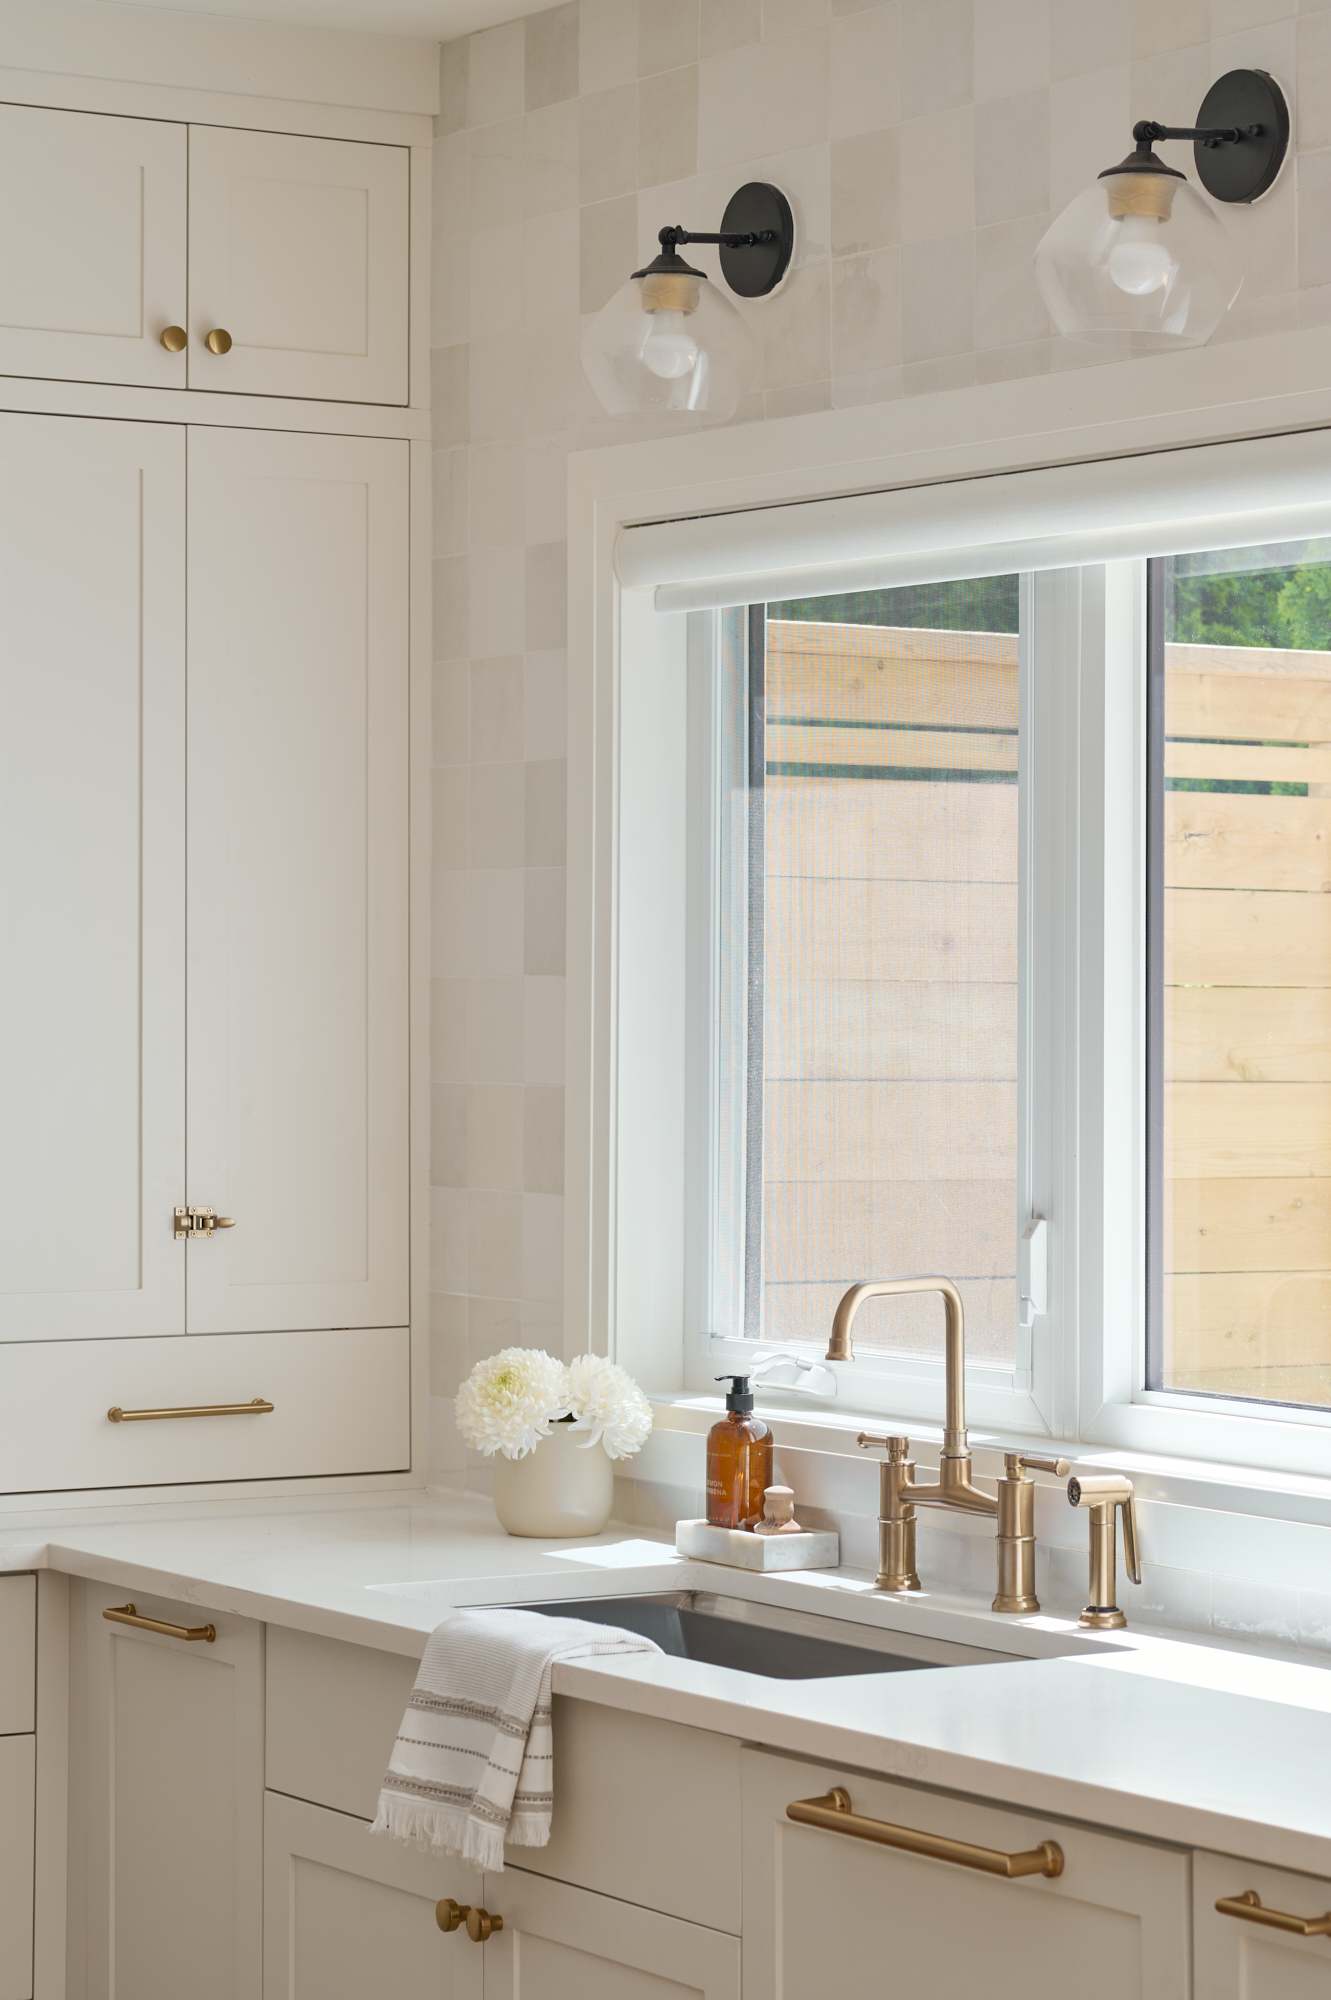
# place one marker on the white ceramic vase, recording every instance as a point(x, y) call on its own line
point(561, 1488)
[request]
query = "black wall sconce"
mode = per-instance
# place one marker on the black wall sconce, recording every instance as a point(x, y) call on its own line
point(669, 340)
point(1140, 252)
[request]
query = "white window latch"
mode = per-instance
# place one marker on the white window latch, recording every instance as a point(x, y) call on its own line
point(1033, 1269)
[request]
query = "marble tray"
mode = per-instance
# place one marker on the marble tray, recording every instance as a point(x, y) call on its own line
point(820, 1548)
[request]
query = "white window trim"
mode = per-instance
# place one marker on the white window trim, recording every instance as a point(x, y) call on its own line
point(627, 1046)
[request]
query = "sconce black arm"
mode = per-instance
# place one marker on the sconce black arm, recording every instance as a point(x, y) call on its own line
point(1238, 143)
point(732, 238)
point(1146, 131)
point(757, 239)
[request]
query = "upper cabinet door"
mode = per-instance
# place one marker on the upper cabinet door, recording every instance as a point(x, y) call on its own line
point(92, 822)
point(297, 894)
point(92, 246)
point(298, 266)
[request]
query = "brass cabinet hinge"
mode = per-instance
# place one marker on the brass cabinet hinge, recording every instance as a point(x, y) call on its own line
point(200, 1222)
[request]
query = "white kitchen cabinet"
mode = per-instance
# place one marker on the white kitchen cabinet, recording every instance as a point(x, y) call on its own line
point(826, 1912)
point(349, 1914)
point(18, 1655)
point(298, 879)
point(298, 251)
point(18, 1784)
point(1239, 1959)
point(92, 877)
point(172, 1805)
point(563, 1943)
point(92, 246)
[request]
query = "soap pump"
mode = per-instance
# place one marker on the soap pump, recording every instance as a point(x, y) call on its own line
point(739, 1460)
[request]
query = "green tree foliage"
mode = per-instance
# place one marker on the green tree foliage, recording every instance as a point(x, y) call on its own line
point(979, 604)
point(1273, 607)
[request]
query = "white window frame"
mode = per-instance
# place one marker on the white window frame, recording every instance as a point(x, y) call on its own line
point(631, 1064)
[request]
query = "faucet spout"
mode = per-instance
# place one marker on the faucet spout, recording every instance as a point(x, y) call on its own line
point(840, 1347)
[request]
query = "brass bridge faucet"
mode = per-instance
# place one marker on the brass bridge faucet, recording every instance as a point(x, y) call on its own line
point(900, 1493)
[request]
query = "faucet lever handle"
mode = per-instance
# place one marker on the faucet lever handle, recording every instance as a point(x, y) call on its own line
point(896, 1447)
point(1129, 1511)
point(1058, 1466)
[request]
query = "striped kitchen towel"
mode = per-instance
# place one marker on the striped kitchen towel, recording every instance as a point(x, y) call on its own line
point(473, 1765)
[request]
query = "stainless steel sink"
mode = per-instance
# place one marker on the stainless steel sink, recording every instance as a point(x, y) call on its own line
point(757, 1639)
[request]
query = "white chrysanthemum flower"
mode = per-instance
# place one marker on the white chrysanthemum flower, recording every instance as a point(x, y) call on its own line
point(607, 1403)
point(508, 1402)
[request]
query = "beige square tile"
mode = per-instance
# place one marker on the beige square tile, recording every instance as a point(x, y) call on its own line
point(938, 174)
point(545, 813)
point(1314, 197)
point(450, 712)
point(805, 176)
point(450, 293)
point(450, 184)
point(552, 376)
point(496, 710)
point(449, 1360)
point(1177, 76)
point(866, 71)
point(550, 56)
point(667, 35)
point(1009, 311)
point(496, 363)
point(1257, 316)
point(931, 378)
point(795, 90)
point(851, 392)
point(496, 602)
point(495, 74)
point(937, 54)
point(607, 44)
point(494, 1243)
point(607, 250)
point(668, 127)
point(449, 1057)
point(450, 394)
point(938, 298)
point(1270, 46)
point(866, 312)
point(496, 174)
point(1265, 235)
point(494, 1135)
point(543, 1139)
point(495, 815)
point(1228, 16)
point(1087, 35)
point(543, 1030)
point(796, 330)
point(495, 1029)
point(493, 1325)
point(1011, 47)
point(728, 24)
point(1157, 25)
point(866, 192)
point(550, 268)
point(453, 68)
point(448, 1240)
point(547, 489)
point(545, 705)
point(450, 816)
point(546, 595)
point(493, 929)
point(495, 279)
point(730, 107)
point(550, 173)
point(1066, 352)
point(448, 1134)
point(1012, 157)
point(1313, 127)
point(792, 17)
point(1088, 116)
point(802, 399)
point(608, 143)
point(543, 923)
point(450, 490)
point(448, 925)
point(452, 609)
point(543, 1248)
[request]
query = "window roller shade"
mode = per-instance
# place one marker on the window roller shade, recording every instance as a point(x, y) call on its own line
point(1255, 491)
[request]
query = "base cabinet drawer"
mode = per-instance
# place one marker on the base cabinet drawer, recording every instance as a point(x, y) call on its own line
point(18, 1779)
point(827, 1911)
point(349, 1915)
point(562, 1943)
point(1242, 1958)
point(18, 1654)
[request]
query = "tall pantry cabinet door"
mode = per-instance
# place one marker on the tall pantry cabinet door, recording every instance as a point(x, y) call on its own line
point(92, 246)
point(297, 893)
point(298, 253)
point(92, 945)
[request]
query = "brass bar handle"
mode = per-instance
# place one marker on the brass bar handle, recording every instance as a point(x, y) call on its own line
point(1249, 1907)
point(833, 1811)
point(258, 1408)
point(127, 1615)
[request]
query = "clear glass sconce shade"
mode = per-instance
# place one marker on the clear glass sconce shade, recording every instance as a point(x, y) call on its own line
point(669, 341)
point(1141, 254)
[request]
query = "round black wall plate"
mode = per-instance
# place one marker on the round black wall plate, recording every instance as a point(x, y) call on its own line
point(1243, 171)
point(754, 269)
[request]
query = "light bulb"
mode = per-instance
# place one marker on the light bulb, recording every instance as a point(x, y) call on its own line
point(668, 347)
point(1139, 262)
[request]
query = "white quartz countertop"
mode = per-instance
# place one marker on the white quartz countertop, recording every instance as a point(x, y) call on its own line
point(1199, 1743)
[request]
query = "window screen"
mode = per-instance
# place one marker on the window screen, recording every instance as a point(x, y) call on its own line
point(1239, 974)
point(881, 924)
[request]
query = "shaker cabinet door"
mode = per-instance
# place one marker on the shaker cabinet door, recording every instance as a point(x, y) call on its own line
point(92, 246)
point(1239, 1958)
point(92, 873)
point(562, 1943)
point(298, 266)
point(297, 894)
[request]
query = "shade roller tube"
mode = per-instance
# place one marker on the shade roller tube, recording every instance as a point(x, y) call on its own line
point(1228, 495)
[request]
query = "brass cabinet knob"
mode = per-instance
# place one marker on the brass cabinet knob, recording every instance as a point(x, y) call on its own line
point(173, 339)
point(450, 1915)
point(480, 1924)
point(218, 341)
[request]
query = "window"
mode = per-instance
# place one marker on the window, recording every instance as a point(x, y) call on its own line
point(1239, 954)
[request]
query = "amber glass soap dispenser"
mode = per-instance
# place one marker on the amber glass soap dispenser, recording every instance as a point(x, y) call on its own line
point(739, 1460)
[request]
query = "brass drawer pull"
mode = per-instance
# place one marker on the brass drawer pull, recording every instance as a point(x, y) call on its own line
point(258, 1408)
point(1249, 1906)
point(127, 1615)
point(833, 1811)
point(451, 1916)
